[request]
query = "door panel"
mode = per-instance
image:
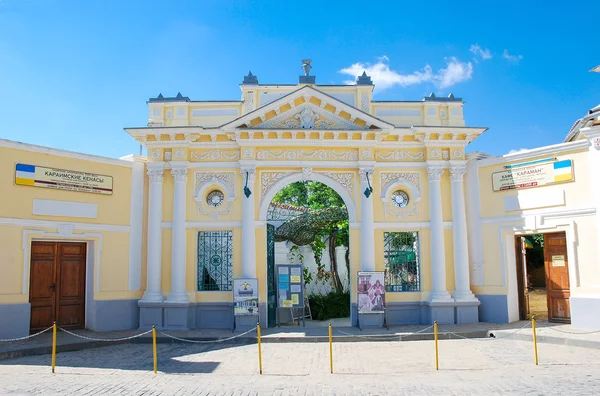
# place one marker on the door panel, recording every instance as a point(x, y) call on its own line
point(42, 285)
point(57, 284)
point(71, 285)
point(557, 277)
point(521, 261)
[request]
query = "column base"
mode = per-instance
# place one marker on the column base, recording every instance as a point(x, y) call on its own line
point(440, 312)
point(441, 297)
point(467, 296)
point(179, 316)
point(178, 297)
point(151, 314)
point(152, 297)
point(467, 312)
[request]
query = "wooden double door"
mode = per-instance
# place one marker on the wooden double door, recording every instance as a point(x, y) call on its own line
point(57, 284)
point(556, 267)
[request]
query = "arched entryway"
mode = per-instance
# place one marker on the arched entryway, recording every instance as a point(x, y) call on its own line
point(308, 223)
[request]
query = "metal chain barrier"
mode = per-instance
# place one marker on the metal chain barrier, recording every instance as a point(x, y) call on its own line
point(384, 338)
point(105, 339)
point(26, 337)
point(495, 337)
point(209, 341)
point(548, 326)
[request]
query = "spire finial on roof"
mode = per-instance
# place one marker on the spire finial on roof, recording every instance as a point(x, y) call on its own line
point(250, 79)
point(364, 79)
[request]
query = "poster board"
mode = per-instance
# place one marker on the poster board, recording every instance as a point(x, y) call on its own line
point(245, 296)
point(371, 292)
point(290, 286)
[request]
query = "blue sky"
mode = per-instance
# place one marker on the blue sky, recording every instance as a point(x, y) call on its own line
point(73, 74)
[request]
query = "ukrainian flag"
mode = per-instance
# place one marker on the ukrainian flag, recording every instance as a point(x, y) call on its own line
point(563, 170)
point(527, 243)
point(25, 175)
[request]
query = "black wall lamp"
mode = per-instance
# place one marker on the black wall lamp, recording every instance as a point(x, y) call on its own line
point(369, 189)
point(247, 191)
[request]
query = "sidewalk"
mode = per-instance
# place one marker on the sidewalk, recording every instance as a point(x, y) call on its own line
point(83, 339)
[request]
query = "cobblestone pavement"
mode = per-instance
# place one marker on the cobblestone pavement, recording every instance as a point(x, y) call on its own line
point(481, 367)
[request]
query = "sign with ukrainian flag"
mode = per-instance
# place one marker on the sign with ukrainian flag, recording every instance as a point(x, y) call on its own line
point(533, 176)
point(61, 179)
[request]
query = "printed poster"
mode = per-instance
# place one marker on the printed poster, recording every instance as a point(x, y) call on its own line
point(245, 296)
point(371, 292)
point(290, 286)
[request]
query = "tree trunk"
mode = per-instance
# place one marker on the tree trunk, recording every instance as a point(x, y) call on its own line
point(333, 260)
point(347, 256)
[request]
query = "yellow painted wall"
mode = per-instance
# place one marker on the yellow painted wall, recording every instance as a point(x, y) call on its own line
point(112, 209)
point(577, 196)
point(577, 192)
point(17, 203)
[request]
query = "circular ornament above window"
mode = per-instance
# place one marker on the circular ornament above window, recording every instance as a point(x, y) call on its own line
point(215, 198)
point(400, 198)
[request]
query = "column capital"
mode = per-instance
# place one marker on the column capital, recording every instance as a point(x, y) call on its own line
point(156, 175)
point(457, 173)
point(434, 173)
point(364, 170)
point(249, 169)
point(179, 174)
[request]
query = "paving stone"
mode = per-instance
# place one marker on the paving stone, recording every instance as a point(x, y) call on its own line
point(477, 366)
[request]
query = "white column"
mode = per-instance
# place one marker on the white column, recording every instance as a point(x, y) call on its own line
point(462, 290)
point(474, 231)
point(248, 224)
point(178, 246)
point(367, 229)
point(154, 259)
point(136, 222)
point(438, 247)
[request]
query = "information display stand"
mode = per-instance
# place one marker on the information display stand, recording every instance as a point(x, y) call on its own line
point(290, 289)
point(245, 302)
point(371, 299)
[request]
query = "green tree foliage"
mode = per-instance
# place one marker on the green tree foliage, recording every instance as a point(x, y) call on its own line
point(329, 223)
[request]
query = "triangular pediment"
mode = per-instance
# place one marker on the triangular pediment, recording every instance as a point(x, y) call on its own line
point(308, 108)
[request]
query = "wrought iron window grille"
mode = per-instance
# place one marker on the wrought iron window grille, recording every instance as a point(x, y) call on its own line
point(215, 260)
point(402, 264)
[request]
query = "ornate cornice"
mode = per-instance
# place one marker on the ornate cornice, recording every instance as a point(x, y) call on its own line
point(321, 155)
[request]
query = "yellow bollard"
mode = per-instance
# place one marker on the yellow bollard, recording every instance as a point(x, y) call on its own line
point(53, 346)
point(330, 348)
point(154, 349)
point(534, 341)
point(259, 351)
point(435, 336)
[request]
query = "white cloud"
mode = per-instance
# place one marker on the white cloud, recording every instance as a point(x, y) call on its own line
point(454, 73)
point(517, 151)
point(383, 77)
point(511, 58)
point(484, 53)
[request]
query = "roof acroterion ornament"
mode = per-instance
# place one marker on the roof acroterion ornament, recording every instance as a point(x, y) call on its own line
point(306, 66)
point(306, 79)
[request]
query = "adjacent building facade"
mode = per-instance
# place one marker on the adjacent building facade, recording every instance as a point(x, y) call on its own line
point(111, 244)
